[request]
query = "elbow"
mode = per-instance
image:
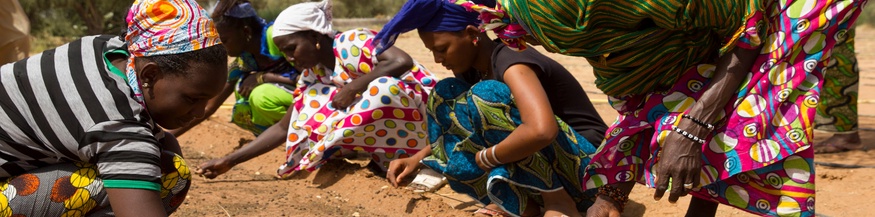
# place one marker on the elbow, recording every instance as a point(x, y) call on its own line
point(545, 133)
point(404, 64)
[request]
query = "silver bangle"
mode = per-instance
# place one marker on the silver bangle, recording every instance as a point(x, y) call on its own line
point(494, 157)
point(482, 156)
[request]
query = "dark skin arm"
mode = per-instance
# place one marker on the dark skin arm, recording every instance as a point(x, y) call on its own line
point(538, 128)
point(251, 81)
point(399, 169)
point(211, 108)
point(271, 138)
point(276, 78)
point(393, 62)
point(681, 157)
point(147, 202)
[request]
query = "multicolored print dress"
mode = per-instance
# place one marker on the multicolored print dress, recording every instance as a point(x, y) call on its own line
point(759, 159)
point(388, 120)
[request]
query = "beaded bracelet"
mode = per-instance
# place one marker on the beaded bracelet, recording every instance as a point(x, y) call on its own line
point(699, 122)
point(688, 135)
point(615, 194)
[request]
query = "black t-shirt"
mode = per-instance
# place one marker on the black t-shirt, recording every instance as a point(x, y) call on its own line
point(567, 98)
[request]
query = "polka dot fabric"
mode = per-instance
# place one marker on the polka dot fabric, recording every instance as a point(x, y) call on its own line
point(759, 159)
point(387, 120)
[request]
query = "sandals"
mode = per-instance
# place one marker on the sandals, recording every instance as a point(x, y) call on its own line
point(427, 180)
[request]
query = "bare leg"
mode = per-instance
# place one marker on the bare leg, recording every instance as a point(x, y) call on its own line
point(839, 143)
point(607, 207)
point(701, 208)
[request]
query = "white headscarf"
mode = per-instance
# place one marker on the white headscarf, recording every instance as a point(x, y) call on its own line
point(314, 16)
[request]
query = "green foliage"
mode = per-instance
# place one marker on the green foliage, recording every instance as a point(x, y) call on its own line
point(867, 16)
point(75, 18)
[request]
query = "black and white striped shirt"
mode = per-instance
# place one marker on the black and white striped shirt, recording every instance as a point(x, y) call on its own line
point(65, 105)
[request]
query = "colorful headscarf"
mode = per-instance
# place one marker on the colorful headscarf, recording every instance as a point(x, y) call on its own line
point(427, 16)
point(314, 16)
point(499, 21)
point(161, 27)
point(242, 10)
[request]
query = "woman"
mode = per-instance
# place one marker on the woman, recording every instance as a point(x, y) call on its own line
point(716, 101)
point(518, 139)
point(79, 125)
point(366, 102)
point(262, 83)
point(837, 111)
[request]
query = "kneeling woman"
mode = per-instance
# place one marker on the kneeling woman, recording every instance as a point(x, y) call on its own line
point(519, 141)
point(79, 124)
point(348, 98)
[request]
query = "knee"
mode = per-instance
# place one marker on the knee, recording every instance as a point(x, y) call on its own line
point(269, 97)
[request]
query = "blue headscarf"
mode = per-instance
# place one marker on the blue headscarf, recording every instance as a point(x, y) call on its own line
point(427, 16)
point(242, 10)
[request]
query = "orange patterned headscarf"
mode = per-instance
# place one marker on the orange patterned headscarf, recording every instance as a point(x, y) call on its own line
point(161, 27)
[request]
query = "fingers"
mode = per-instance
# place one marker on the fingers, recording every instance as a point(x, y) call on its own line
point(337, 105)
point(677, 188)
point(692, 180)
point(661, 185)
point(404, 174)
point(245, 91)
point(390, 173)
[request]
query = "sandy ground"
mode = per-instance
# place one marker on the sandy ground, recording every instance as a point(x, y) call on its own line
point(347, 188)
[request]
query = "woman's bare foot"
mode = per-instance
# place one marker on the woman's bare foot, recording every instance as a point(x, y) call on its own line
point(839, 143)
point(559, 203)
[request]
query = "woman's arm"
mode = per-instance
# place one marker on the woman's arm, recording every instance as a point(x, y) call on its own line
point(538, 128)
point(399, 169)
point(681, 156)
point(135, 202)
point(393, 62)
point(211, 108)
point(268, 140)
point(276, 78)
point(732, 69)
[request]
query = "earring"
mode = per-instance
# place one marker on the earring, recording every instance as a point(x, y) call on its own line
point(476, 40)
point(317, 46)
point(249, 38)
point(145, 85)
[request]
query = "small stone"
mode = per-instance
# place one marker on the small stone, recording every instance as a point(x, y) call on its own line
point(317, 196)
point(257, 173)
point(356, 214)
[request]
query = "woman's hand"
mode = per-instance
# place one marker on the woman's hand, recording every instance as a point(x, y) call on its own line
point(344, 98)
point(249, 83)
point(213, 168)
point(680, 161)
point(402, 167)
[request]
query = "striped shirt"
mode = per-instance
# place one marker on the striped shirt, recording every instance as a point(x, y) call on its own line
point(66, 105)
